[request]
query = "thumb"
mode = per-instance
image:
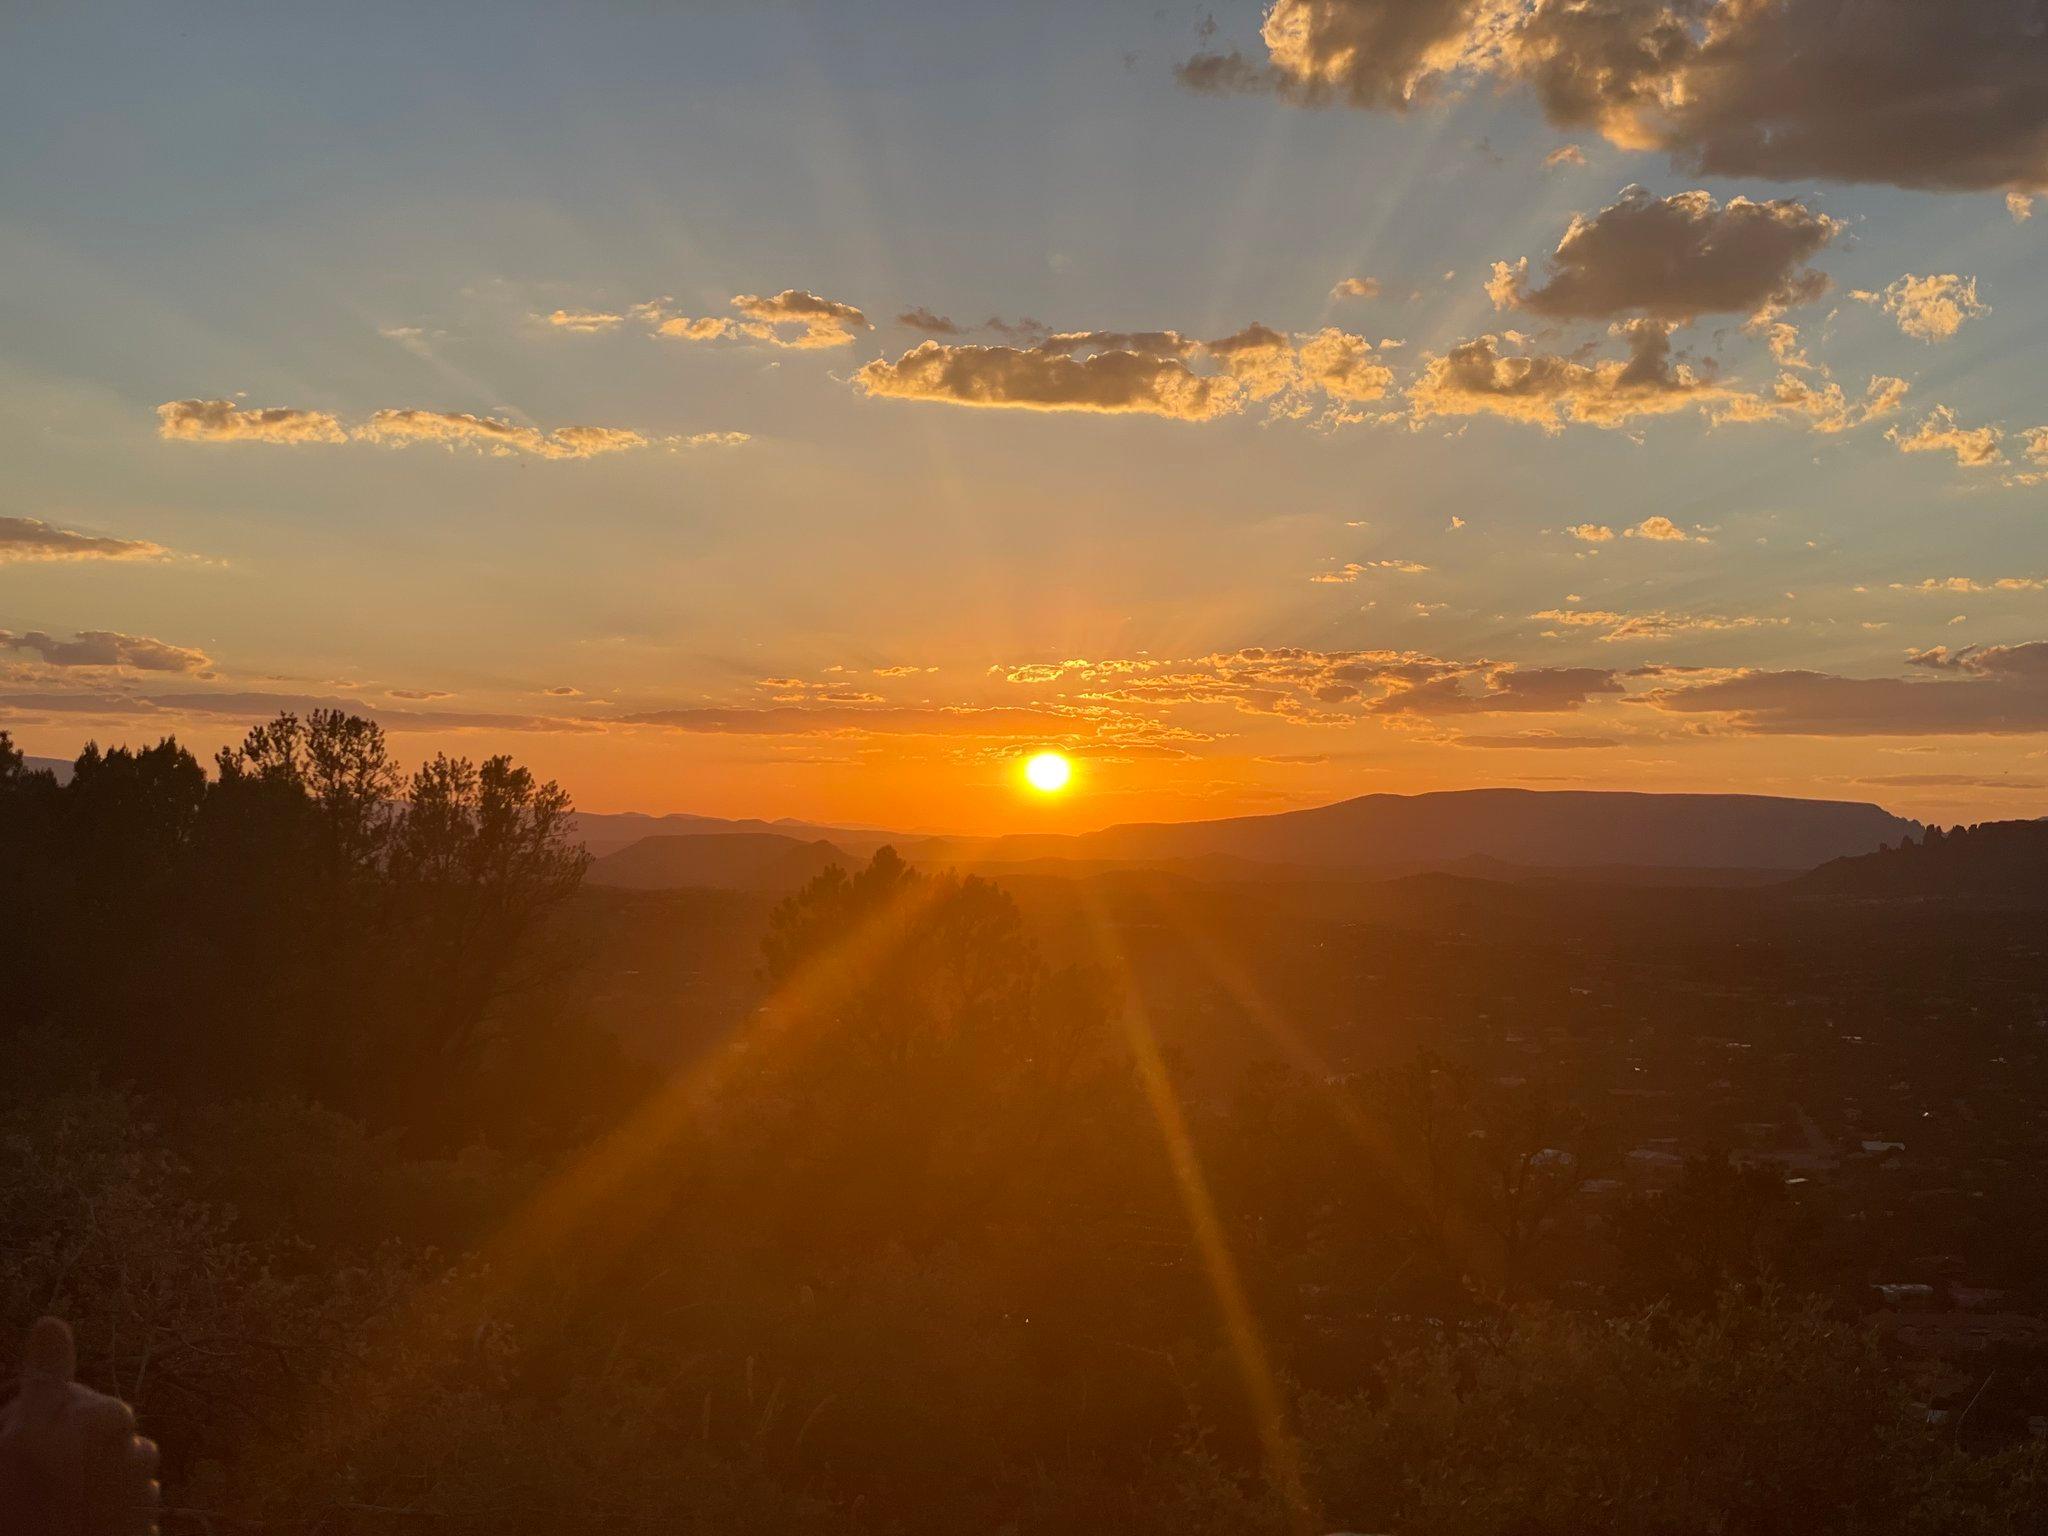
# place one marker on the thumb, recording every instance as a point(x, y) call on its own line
point(47, 1366)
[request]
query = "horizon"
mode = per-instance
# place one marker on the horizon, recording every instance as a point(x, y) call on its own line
point(791, 413)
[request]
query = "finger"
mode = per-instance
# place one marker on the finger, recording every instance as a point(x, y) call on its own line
point(47, 1366)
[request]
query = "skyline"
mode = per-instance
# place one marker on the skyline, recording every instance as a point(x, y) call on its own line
point(621, 390)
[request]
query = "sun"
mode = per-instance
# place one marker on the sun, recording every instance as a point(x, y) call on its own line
point(1048, 772)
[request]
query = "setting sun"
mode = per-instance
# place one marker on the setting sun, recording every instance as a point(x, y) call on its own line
point(1048, 772)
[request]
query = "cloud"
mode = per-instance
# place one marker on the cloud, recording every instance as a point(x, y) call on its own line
point(585, 321)
point(29, 538)
point(262, 706)
point(1940, 96)
point(793, 318)
point(417, 695)
point(2020, 205)
point(1344, 575)
point(796, 318)
point(1647, 626)
point(1000, 722)
point(1034, 379)
point(1980, 690)
point(494, 435)
point(1661, 530)
point(1939, 432)
point(1950, 781)
point(1356, 288)
point(1591, 533)
point(1551, 741)
point(1568, 154)
point(1949, 585)
point(222, 421)
point(1675, 258)
point(1546, 390)
point(108, 648)
point(1824, 404)
point(922, 319)
point(1310, 687)
point(1933, 307)
point(1503, 690)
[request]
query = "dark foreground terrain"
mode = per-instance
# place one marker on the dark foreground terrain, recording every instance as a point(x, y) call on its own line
point(406, 1183)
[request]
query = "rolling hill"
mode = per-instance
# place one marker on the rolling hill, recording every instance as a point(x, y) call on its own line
point(731, 861)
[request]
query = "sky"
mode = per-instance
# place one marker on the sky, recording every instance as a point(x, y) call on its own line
point(792, 409)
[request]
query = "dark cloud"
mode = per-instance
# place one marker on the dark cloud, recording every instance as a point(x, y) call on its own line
point(1503, 690)
point(922, 319)
point(1940, 94)
point(1048, 379)
point(1674, 258)
point(1979, 690)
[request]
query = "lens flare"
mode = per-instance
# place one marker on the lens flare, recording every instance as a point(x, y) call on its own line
point(1048, 772)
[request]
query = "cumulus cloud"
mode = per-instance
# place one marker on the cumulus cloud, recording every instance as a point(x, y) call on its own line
point(1940, 96)
point(1979, 690)
point(585, 321)
point(108, 648)
point(1591, 533)
point(1674, 258)
point(1939, 432)
point(1503, 690)
point(1034, 379)
point(1822, 403)
point(1547, 390)
point(1933, 307)
point(1356, 288)
point(1154, 373)
point(1567, 154)
point(793, 318)
point(1661, 530)
point(30, 538)
point(223, 421)
point(796, 318)
point(494, 435)
point(2020, 205)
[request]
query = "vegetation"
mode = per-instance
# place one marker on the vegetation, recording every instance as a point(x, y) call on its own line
point(304, 1140)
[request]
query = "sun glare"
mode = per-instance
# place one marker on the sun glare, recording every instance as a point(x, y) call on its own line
point(1048, 772)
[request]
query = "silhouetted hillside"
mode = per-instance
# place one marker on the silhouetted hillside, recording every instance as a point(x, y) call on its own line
point(602, 833)
point(730, 861)
point(1567, 829)
point(1996, 858)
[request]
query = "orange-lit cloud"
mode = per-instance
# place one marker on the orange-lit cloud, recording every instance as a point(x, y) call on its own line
point(1932, 307)
point(223, 421)
point(30, 538)
point(1940, 432)
point(1548, 390)
point(1980, 690)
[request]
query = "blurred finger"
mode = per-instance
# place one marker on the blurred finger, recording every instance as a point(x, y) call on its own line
point(47, 1366)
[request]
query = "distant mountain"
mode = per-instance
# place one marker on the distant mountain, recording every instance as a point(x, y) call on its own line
point(60, 766)
point(732, 861)
point(1995, 858)
point(1554, 829)
point(603, 833)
